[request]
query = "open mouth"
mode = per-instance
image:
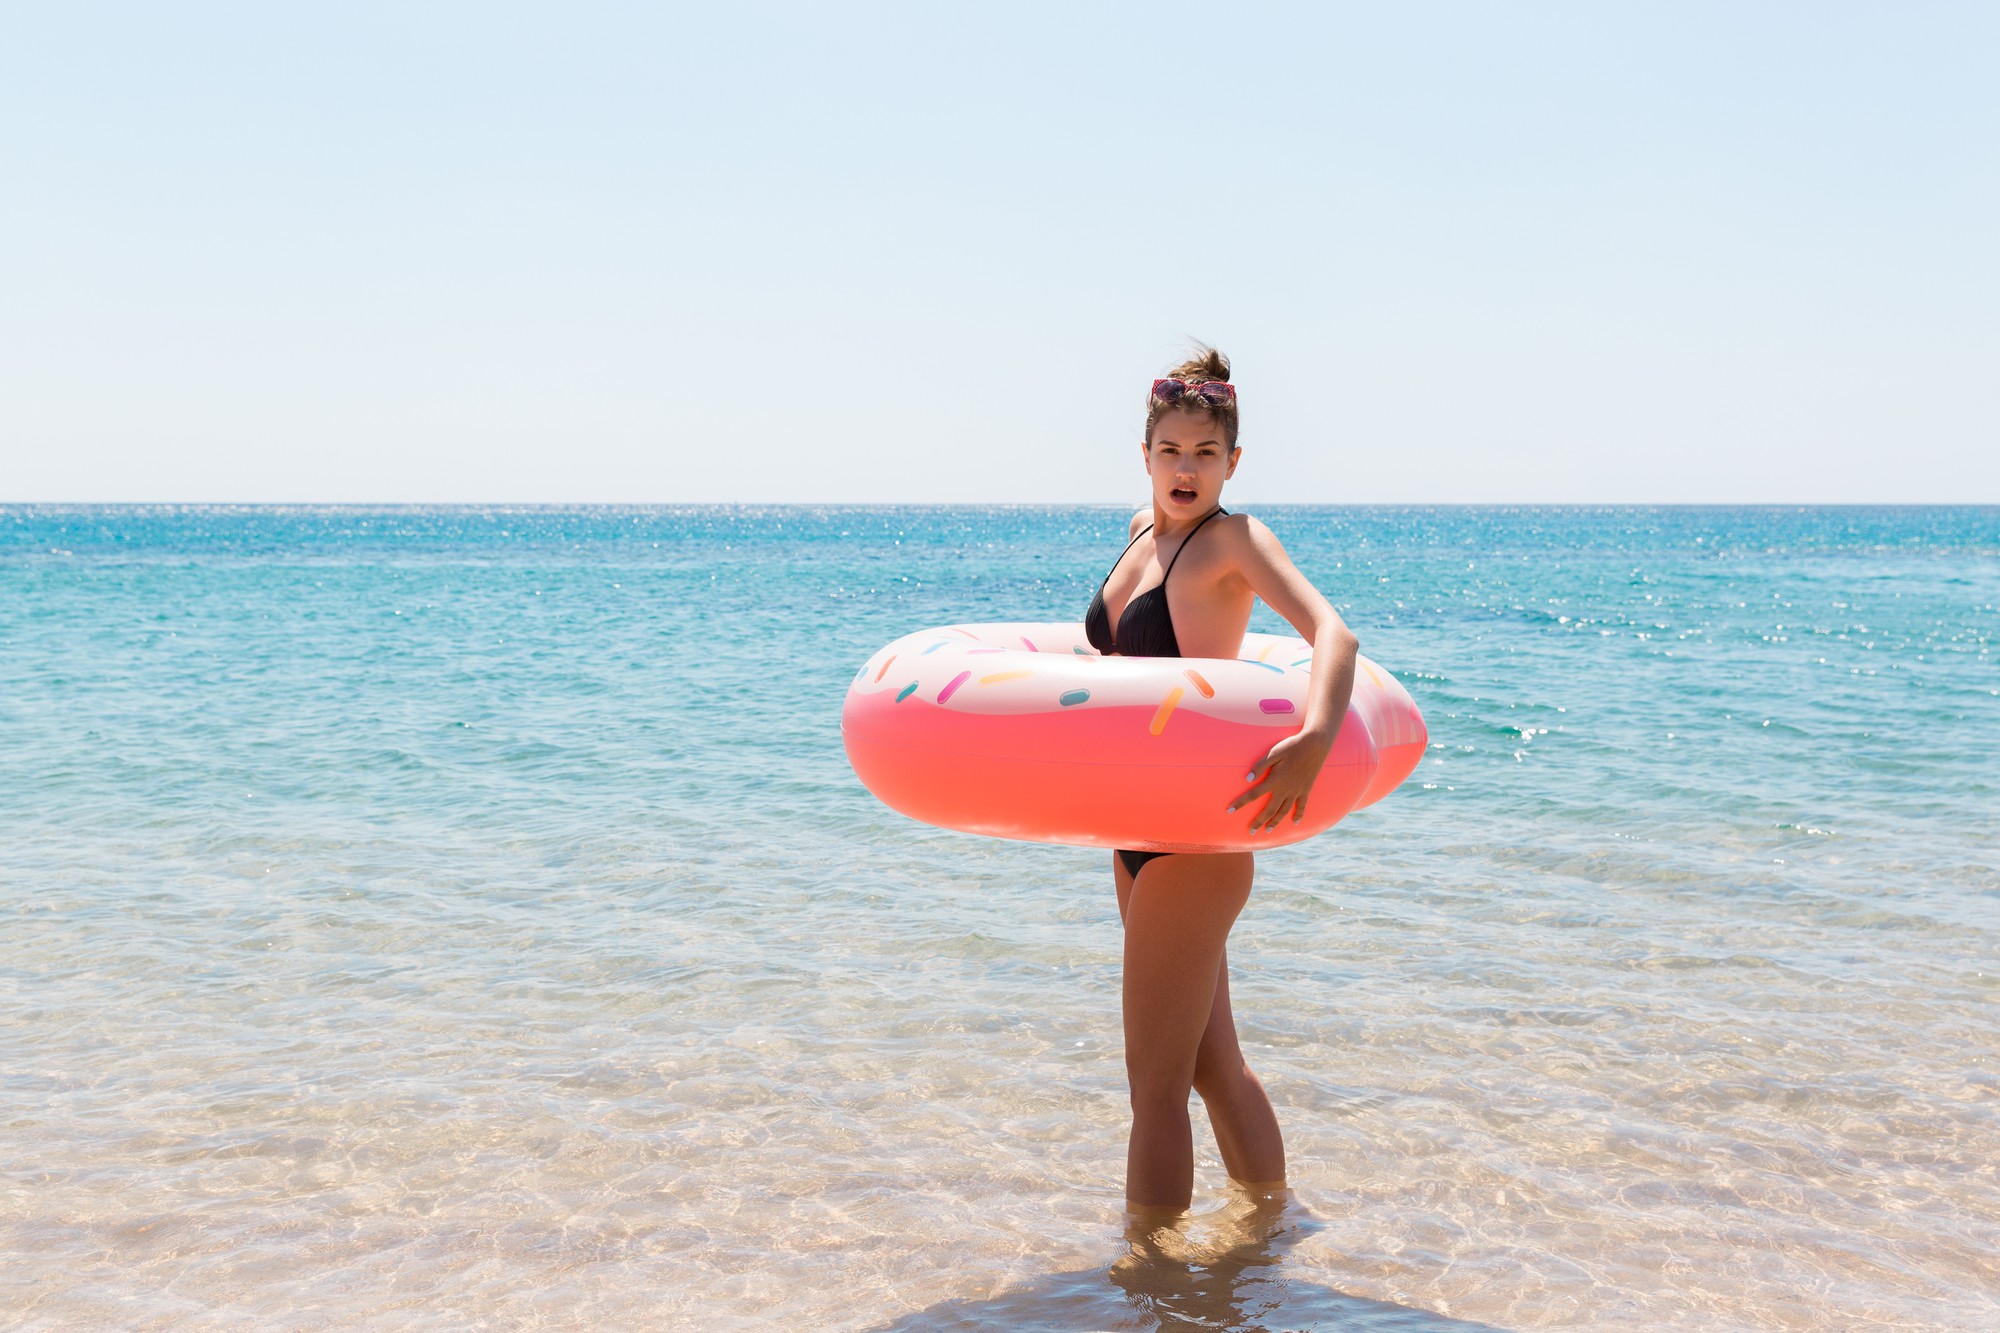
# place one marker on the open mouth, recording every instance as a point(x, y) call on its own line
point(1182, 495)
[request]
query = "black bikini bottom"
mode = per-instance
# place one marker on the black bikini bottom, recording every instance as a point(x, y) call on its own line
point(1132, 861)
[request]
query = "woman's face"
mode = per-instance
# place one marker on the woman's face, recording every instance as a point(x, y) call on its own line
point(1188, 462)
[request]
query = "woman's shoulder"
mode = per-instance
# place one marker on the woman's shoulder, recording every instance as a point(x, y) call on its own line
point(1243, 539)
point(1243, 528)
point(1139, 520)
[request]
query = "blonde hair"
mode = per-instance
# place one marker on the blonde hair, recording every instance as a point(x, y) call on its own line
point(1206, 366)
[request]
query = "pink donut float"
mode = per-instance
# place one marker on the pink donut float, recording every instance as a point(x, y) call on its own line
point(1025, 731)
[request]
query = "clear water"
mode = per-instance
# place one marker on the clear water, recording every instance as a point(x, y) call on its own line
point(466, 918)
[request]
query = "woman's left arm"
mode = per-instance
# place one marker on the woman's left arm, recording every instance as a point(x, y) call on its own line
point(1293, 763)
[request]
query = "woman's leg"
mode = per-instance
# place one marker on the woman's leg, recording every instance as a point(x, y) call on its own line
point(1246, 1129)
point(1177, 918)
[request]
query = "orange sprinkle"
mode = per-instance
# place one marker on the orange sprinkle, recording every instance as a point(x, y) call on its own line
point(1267, 651)
point(1167, 706)
point(999, 676)
point(885, 669)
point(1207, 690)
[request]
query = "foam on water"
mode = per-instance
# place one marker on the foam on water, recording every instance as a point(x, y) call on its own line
point(466, 917)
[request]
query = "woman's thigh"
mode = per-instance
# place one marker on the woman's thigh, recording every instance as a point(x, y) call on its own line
point(1177, 918)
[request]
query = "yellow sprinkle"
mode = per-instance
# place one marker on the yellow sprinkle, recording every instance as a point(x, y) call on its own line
point(999, 676)
point(1374, 675)
point(1167, 706)
point(1267, 651)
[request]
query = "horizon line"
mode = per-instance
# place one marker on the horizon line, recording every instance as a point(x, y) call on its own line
point(555, 505)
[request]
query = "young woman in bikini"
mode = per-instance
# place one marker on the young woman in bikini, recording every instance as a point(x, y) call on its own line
point(1178, 908)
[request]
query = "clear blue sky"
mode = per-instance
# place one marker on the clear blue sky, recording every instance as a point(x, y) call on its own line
point(1459, 252)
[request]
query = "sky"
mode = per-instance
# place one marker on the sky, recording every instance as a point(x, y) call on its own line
point(584, 253)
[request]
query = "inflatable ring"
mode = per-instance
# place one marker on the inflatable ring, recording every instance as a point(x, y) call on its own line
point(1025, 731)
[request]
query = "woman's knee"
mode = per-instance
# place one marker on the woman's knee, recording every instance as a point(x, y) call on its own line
point(1223, 1078)
point(1158, 1090)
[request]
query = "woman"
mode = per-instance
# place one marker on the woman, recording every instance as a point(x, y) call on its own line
point(1178, 908)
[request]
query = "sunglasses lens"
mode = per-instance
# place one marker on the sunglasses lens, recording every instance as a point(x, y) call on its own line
point(1215, 393)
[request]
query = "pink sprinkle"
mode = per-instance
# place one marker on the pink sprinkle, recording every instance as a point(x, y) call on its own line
point(1268, 705)
point(1031, 644)
point(964, 676)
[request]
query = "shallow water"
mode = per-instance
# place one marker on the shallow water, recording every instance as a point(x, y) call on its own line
point(466, 917)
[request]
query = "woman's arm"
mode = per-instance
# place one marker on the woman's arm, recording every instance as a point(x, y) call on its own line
point(1291, 766)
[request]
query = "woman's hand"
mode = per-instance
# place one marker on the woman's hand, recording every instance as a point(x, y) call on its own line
point(1289, 771)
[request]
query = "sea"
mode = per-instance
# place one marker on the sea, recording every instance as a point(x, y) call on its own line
point(466, 918)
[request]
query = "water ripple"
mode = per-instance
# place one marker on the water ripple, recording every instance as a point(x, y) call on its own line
point(411, 911)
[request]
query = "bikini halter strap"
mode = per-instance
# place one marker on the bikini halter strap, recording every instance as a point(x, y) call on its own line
point(1184, 542)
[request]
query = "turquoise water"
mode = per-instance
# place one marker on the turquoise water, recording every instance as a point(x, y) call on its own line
point(466, 917)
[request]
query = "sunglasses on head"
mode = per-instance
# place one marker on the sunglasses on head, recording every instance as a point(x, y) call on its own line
point(1215, 393)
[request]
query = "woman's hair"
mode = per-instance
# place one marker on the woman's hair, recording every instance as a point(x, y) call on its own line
point(1206, 366)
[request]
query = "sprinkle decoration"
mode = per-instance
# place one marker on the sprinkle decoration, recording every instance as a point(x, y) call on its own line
point(1071, 698)
point(999, 676)
point(1275, 705)
point(1374, 675)
point(885, 668)
point(1266, 665)
point(908, 690)
point(1207, 690)
point(933, 648)
point(1269, 648)
point(1167, 706)
point(952, 688)
point(1031, 644)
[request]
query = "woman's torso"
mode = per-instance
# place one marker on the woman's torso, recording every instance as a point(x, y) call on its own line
point(1191, 603)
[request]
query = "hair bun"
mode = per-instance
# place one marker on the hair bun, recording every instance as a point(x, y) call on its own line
point(1206, 366)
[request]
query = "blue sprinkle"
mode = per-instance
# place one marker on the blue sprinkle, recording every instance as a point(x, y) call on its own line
point(908, 690)
point(934, 647)
point(1266, 665)
point(1073, 697)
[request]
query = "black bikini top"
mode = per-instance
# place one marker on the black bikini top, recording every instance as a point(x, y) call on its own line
point(1146, 626)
